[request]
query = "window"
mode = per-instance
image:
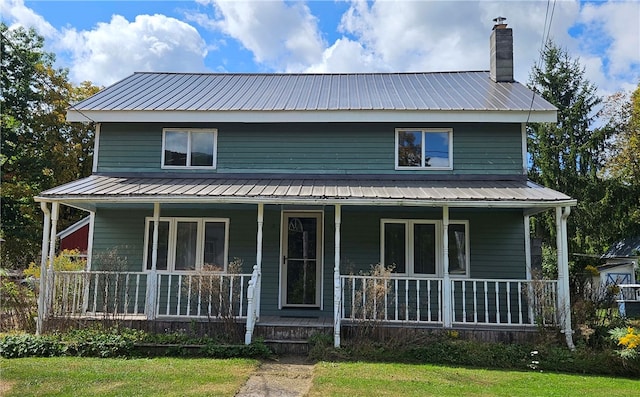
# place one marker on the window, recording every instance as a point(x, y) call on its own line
point(188, 244)
point(414, 247)
point(424, 148)
point(195, 148)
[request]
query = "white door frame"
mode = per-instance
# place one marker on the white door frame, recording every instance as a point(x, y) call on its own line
point(285, 216)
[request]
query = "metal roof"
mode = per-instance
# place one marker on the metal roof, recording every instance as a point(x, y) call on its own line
point(144, 93)
point(290, 189)
point(625, 248)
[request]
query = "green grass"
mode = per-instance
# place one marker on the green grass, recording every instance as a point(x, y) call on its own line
point(366, 379)
point(70, 376)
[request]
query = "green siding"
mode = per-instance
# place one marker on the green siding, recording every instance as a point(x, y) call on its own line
point(357, 148)
point(496, 241)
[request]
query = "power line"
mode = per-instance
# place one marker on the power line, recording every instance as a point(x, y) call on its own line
point(546, 31)
point(45, 80)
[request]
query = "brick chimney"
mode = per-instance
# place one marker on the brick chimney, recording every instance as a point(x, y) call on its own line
point(501, 43)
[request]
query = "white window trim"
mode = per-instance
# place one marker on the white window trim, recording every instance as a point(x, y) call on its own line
point(188, 166)
point(409, 246)
point(449, 131)
point(171, 257)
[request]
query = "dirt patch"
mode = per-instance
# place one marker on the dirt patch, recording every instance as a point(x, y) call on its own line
point(5, 387)
point(286, 377)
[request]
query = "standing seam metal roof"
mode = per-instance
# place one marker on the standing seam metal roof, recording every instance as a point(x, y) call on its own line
point(239, 188)
point(300, 92)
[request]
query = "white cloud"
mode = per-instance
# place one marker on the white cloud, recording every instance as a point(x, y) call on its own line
point(347, 56)
point(16, 11)
point(113, 50)
point(118, 48)
point(612, 28)
point(282, 35)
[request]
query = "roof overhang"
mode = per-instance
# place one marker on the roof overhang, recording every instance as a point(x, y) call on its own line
point(298, 190)
point(308, 116)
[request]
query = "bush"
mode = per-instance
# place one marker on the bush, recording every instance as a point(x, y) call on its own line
point(18, 306)
point(124, 342)
point(99, 343)
point(28, 345)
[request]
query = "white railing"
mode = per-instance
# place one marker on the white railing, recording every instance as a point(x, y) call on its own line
point(472, 301)
point(202, 295)
point(97, 293)
point(253, 303)
point(504, 302)
point(391, 299)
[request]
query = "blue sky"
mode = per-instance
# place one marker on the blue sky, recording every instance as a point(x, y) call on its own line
point(105, 41)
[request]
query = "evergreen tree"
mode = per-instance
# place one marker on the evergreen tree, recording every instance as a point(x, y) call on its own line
point(569, 154)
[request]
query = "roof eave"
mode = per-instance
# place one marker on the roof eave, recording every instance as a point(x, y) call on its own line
point(308, 116)
point(312, 201)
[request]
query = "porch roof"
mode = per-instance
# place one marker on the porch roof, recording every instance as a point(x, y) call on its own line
point(314, 189)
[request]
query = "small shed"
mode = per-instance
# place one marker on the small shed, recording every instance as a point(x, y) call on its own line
point(75, 236)
point(621, 262)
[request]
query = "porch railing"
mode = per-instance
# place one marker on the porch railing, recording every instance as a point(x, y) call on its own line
point(99, 293)
point(202, 295)
point(473, 301)
point(387, 299)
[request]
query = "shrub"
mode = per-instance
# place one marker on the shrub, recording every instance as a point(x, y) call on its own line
point(629, 339)
point(28, 345)
point(18, 306)
point(67, 260)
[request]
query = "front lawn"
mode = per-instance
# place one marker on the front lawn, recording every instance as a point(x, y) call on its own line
point(367, 379)
point(72, 376)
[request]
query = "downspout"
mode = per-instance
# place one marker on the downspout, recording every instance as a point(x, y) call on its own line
point(564, 296)
point(568, 330)
point(43, 267)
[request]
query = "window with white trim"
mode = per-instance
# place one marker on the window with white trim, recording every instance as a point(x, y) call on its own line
point(188, 244)
point(414, 247)
point(189, 148)
point(427, 148)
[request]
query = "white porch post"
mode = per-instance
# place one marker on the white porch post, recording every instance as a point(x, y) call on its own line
point(337, 289)
point(258, 287)
point(564, 298)
point(43, 268)
point(527, 246)
point(253, 290)
point(152, 276)
point(446, 281)
point(49, 282)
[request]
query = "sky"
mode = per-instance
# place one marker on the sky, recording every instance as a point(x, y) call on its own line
point(105, 41)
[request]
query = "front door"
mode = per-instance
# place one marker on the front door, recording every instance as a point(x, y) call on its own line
point(302, 259)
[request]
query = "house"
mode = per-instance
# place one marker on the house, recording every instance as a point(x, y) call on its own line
point(268, 197)
point(75, 237)
point(621, 262)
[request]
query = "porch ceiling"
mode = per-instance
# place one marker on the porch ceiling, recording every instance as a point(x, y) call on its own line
point(288, 189)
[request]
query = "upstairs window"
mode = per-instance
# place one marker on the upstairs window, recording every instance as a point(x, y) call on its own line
point(189, 148)
point(424, 148)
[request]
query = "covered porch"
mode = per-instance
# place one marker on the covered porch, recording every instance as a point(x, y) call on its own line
point(442, 299)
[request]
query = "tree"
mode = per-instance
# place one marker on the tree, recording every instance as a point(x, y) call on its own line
point(623, 115)
point(622, 169)
point(39, 149)
point(568, 155)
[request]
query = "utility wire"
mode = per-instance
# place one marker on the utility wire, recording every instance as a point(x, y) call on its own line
point(546, 31)
point(45, 80)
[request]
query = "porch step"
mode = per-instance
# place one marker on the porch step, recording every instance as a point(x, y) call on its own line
point(290, 336)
